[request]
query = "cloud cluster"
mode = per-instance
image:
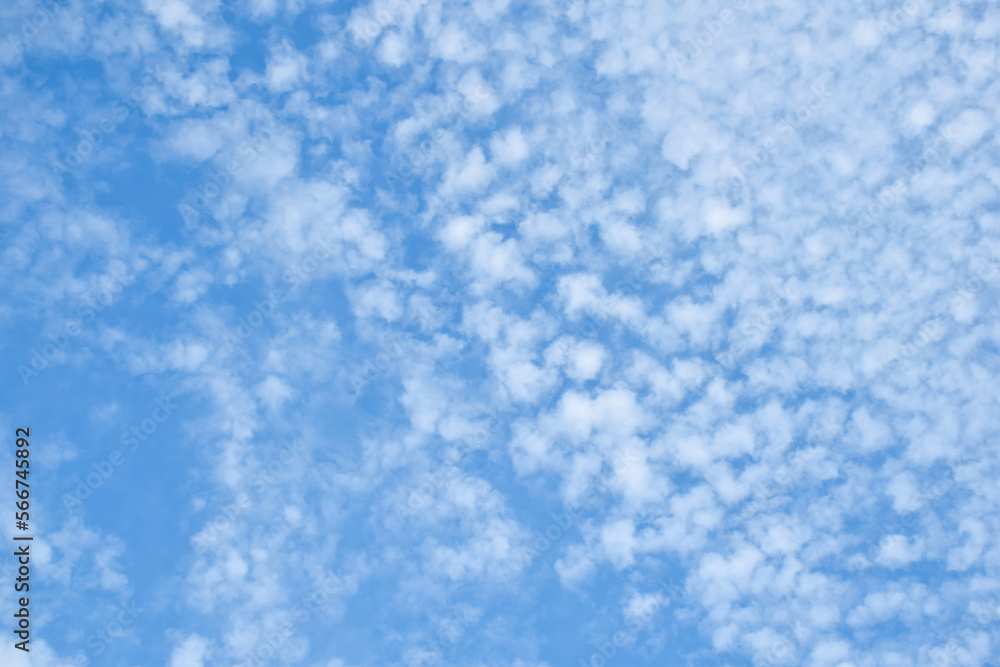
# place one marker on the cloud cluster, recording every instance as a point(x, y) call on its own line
point(716, 282)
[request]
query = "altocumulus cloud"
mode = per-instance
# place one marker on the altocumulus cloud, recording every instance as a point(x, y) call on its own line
point(563, 333)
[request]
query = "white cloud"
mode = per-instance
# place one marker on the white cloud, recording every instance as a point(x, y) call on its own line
point(393, 49)
point(510, 147)
point(286, 68)
point(192, 652)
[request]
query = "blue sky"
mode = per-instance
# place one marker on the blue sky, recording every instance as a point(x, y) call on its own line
point(504, 334)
